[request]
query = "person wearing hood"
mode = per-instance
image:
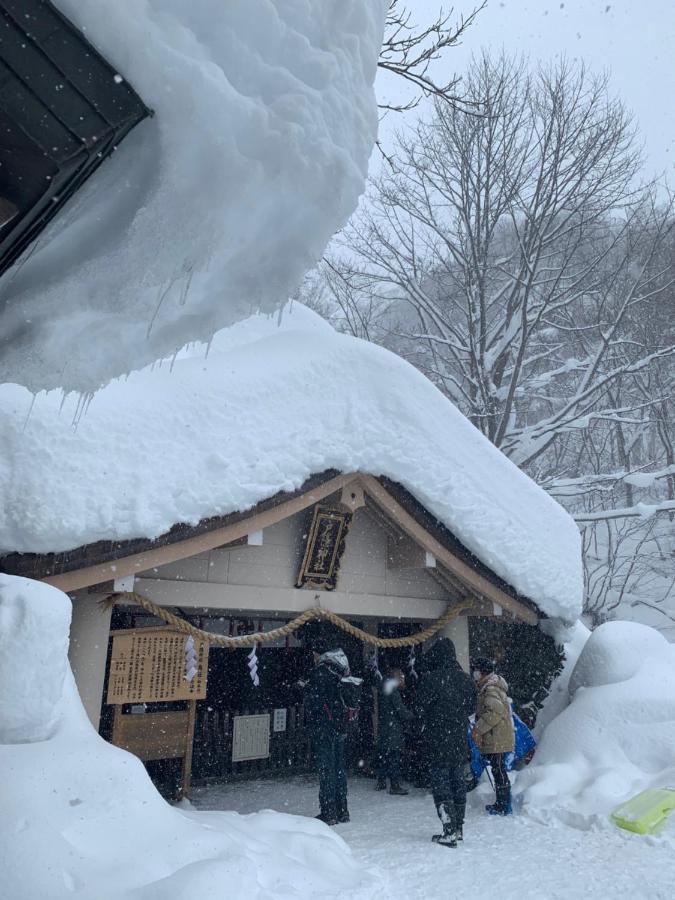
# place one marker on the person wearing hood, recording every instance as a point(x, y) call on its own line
point(327, 715)
point(392, 716)
point(493, 732)
point(446, 697)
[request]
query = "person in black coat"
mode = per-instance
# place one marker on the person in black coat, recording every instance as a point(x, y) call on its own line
point(392, 716)
point(326, 716)
point(446, 696)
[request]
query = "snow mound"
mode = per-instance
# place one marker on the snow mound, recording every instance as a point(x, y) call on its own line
point(617, 736)
point(278, 403)
point(264, 122)
point(31, 683)
point(613, 656)
point(573, 640)
point(80, 817)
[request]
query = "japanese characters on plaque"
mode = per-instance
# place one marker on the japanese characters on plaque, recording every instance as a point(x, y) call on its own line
point(149, 666)
point(279, 720)
point(324, 548)
point(251, 737)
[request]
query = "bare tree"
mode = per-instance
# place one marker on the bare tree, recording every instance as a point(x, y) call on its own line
point(495, 233)
point(409, 50)
point(512, 258)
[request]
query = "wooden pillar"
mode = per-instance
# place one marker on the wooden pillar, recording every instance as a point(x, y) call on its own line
point(458, 632)
point(370, 627)
point(186, 780)
point(89, 633)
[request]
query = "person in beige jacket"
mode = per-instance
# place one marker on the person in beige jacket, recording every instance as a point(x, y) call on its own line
point(493, 732)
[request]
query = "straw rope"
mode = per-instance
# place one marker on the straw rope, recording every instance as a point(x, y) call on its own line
point(262, 637)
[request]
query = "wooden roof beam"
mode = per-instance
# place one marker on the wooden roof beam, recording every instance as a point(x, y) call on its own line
point(160, 556)
point(463, 571)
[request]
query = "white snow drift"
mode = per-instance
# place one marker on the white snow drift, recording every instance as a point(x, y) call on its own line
point(617, 736)
point(268, 407)
point(81, 818)
point(264, 121)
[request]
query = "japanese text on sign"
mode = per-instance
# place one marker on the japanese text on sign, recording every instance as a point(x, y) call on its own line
point(151, 668)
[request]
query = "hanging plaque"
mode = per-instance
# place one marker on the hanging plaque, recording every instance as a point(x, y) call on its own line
point(324, 549)
point(152, 665)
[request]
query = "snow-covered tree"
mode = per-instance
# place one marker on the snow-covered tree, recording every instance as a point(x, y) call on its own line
point(510, 254)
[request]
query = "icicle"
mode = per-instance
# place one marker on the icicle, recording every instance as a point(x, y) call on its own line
point(188, 270)
point(30, 410)
point(253, 665)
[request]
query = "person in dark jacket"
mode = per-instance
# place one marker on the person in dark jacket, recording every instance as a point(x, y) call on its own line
point(392, 716)
point(447, 697)
point(327, 717)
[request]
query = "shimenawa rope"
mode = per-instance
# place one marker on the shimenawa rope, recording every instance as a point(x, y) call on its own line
point(263, 637)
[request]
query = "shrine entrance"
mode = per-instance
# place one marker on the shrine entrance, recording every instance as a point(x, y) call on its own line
point(247, 720)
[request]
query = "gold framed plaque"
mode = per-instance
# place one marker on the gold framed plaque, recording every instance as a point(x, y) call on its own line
point(325, 546)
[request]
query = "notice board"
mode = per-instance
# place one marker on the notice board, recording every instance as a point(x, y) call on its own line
point(149, 666)
point(251, 737)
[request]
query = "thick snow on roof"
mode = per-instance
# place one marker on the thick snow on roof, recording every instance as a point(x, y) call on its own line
point(271, 404)
point(264, 122)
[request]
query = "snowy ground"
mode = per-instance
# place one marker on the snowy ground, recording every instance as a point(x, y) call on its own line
point(501, 858)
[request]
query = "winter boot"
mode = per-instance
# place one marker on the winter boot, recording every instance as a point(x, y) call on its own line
point(381, 784)
point(327, 816)
point(342, 814)
point(460, 810)
point(397, 789)
point(503, 805)
point(446, 813)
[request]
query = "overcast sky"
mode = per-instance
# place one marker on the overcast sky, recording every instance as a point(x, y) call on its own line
point(632, 39)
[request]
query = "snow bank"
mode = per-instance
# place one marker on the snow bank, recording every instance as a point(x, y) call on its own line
point(268, 407)
point(617, 736)
point(264, 121)
point(31, 679)
point(573, 640)
point(80, 817)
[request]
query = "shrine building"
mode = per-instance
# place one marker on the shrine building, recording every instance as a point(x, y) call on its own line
point(281, 470)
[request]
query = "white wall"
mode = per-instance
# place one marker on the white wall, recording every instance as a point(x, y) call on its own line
point(275, 564)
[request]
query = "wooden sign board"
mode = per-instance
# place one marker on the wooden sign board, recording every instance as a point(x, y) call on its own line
point(149, 666)
point(325, 546)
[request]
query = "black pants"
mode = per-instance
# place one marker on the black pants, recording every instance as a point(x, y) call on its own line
point(329, 752)
point(496, 761)
point(448, 783)
point(389, 762)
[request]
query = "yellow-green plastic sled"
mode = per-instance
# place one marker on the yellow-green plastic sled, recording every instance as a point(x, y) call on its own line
point(646, 811)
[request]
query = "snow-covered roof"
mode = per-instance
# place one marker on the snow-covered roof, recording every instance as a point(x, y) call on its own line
point(264, 122)
point(272, 403)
